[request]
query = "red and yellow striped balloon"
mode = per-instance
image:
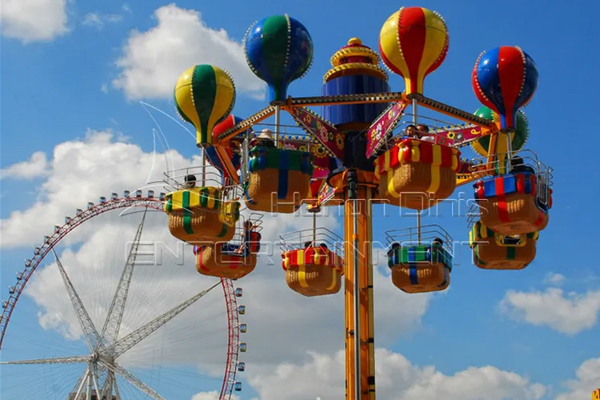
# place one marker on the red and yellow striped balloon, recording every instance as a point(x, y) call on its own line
point(413, 43)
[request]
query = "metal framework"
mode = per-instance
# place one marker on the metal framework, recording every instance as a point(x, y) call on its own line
point(360, 99)
point(105, 351)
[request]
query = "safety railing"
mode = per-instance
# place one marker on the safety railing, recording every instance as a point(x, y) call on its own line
point(311, 237)
point(433, 125)
point(524, 161)
point(424, 235)
point(200, 175)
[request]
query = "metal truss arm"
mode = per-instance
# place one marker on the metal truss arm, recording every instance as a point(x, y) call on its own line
point(87, 326)
point(57, 360)
point(112, 324)
point(116, 368)
point(143, 332)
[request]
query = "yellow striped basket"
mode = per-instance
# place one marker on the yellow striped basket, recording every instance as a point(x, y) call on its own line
point(314, 271)
point(199, 215)
point(417, 174)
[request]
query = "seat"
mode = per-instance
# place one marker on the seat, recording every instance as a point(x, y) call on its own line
point(495, 251)
point(200, 215)
point(279, 179)
point(420, 268)
point(313, 271)
point(417, 174)
point(509, 204)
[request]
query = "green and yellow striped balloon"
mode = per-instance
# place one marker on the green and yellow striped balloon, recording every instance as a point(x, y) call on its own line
point(204, 96)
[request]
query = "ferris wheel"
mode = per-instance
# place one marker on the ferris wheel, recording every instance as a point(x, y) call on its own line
point(100, 320)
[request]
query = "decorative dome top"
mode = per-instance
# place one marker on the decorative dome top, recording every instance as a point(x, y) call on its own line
point(355, 51)
point(354, 59)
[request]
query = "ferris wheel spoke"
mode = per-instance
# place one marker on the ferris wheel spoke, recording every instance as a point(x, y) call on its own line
point(112, 324)
point(143, 332)
point(87, 326)
point(116, 368)
point(57, 360)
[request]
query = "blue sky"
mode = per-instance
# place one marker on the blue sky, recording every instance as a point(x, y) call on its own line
point(55, 90)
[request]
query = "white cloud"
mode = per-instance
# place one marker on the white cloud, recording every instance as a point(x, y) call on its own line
point(397, 379)
point(568, 314)
point(153, 60)
point(35, 167)
point(211, 396)
point(98, 20)
point(554, 278)
point(33, 20)
point(82, 171)
point(588, 380)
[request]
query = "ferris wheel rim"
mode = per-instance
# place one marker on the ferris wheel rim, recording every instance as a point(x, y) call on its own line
point(233, 335)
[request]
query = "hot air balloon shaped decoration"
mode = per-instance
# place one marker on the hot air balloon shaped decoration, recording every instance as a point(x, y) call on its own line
point(204, 96)
point(413, 43)
point(279, 50)
point(505, 79)
point(518, 138)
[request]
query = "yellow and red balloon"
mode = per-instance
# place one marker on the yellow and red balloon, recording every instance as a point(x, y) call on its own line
point(413, 43)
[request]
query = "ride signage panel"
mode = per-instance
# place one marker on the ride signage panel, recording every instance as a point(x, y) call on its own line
point(458, 135)
point(325, 133)
point(596, 394)
point(378, 132)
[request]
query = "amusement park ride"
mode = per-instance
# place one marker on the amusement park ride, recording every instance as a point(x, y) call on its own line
point(349, 156)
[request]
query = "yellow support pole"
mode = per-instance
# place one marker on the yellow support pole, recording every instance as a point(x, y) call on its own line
point(360, 372)
point(349, 301)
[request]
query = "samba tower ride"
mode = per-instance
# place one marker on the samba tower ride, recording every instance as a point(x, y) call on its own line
point(348, 159)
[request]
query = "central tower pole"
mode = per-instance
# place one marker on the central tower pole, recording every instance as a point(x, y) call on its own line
point(355, 70)
point(360, 344)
